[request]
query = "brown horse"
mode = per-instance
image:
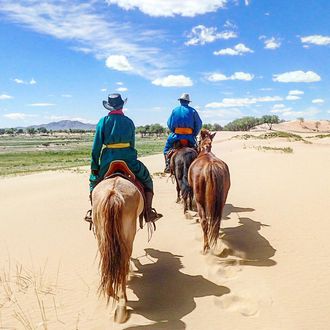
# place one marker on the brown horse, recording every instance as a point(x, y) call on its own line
point(117, 203)
point(180, 162)
point(210, 180)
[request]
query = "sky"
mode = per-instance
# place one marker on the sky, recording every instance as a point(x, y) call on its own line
point(60, 59)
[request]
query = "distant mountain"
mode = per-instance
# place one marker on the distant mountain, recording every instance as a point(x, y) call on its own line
point(65, 125)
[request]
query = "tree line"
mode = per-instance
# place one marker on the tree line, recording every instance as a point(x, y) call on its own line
point(157, 130)
point(40, 130)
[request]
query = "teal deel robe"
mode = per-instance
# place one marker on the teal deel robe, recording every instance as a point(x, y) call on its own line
point(116, 128)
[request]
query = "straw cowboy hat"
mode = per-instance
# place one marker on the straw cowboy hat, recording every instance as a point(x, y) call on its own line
point(184, 97)
point(115, 102)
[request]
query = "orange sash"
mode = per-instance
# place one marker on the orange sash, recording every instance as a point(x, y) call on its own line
point(183, 130)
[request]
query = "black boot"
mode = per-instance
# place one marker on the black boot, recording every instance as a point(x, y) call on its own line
point(167, 163)
point(150, 213)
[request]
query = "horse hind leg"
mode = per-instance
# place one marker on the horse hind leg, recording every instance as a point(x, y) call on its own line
point(204, 224)
point(206, 246)
point(121, 312)
point(178, 191)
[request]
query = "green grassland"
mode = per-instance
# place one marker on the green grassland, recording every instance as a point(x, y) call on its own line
point(27, 154)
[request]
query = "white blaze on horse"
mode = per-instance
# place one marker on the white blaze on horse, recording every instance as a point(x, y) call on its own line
point(117, 203)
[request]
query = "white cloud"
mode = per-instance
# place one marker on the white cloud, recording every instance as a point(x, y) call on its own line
point(278, 106)
point(118, 62)
point(292, 97)
point(173, 81)
point(236, 76)
point(119, 83)
point(122, 89)
point(239, 49)
point(17, 115)
point(268, 99)
point(66, 95)
point(80, 23)
point(5, 97)
point(201, 35)
point(281, 110)
point(308, 113)
point(242, 102)
point(266, 89)
point(297, 76)
point(23, 82)
point(18, 81)
point(41, 104)
point(103, 89)
point(316, 40)
point(318, 101)
point(296, 92)
point(247, 2)
point(165, 8)
point(228, 114)
point(272, 43)
point(230, 25)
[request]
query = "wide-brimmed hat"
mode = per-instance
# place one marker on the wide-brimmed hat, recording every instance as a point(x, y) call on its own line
point(184, 97)
point(115, 102)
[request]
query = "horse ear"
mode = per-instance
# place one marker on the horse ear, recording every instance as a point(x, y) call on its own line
point(213, 135)
point(203, 133)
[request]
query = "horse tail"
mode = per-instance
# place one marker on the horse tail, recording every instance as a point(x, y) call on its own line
point(214, 201)
point(114, 255)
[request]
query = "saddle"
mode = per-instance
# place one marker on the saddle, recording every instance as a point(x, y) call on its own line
point(120, 168)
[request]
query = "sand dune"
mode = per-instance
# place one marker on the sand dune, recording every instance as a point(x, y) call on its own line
point(273, 273)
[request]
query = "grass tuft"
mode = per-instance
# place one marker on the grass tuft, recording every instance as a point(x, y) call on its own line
point(287, 150)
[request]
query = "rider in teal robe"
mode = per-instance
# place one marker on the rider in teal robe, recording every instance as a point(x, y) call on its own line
point(113, 129)
point(115, 140)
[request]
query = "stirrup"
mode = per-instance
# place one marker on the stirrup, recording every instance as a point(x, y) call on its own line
point(154, 215)
point(88, 218)
point(167, 169)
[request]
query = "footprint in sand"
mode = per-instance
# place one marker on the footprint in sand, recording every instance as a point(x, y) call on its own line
point(222, 271)
point(233, 303)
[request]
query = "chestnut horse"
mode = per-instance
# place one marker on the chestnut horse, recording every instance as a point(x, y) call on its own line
point(117, 203)
point(210, 180)
point(180, 162)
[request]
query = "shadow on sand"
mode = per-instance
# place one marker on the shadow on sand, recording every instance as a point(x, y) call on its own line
point(165, 294)
point(230, 208)
point(245, 242)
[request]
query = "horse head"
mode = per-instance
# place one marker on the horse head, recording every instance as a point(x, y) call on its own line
point(205, 142)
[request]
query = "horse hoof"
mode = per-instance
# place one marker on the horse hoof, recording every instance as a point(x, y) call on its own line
point(121, 314)
point(188, 216)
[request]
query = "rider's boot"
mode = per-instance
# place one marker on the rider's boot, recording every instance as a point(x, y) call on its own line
point(150, 213)
point(167, 163)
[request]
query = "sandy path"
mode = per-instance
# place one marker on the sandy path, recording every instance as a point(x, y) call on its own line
point(276, 275)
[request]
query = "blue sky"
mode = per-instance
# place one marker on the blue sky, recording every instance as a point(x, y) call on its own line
point(59, 59)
